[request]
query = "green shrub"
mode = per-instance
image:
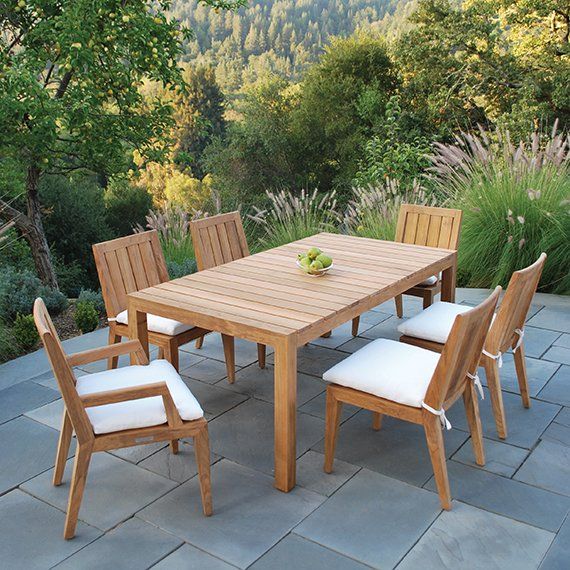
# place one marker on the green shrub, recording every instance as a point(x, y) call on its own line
point(176, 270)
point(25, 332)
point(93, 297)
point(515, 205)
point(173, 226)
point(373, 210)
point(9, 347)
point(19, 290)
point(86, 316)
point(72, 278)
point(126, 206)
point(291, 217)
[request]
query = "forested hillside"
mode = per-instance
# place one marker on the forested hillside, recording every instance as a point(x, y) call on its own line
point(282, 36)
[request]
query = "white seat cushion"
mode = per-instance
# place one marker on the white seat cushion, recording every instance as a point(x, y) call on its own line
point(392, 370)
point(137, 413)
point(429, 281)
point(157, 324)
point(433, 323)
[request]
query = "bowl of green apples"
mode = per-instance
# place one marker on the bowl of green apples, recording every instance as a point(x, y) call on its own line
point(314, 262)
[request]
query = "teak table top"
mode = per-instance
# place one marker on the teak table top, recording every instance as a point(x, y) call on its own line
point(267, 299)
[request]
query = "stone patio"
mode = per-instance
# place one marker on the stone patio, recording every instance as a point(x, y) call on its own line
point(142, 506)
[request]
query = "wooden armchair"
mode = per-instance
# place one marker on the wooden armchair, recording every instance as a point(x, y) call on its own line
point(218, 240)
point(415, 385)
point(130, 264)
point(431, 327)
point(424, 225)
point(150, 403)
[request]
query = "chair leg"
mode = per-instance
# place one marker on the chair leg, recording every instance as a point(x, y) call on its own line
point(494, 384)
point(355, 325)
point(230, 356)
point(261, 350)
point(202, 451)
point(326, 335)
point(62, 448)
point(332, 420)
point(428, 298)
point(174, 446)
point(436, 449)
point(160, 354)
point(199, 342)
point(474, 421)
point(114, 338)
point(78, 479)
point(399, 305)
point(171, 353)
point(520, 367)
point(376, 421)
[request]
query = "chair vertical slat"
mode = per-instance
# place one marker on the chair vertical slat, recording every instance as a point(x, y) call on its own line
point(215, 245)
point(158, 254)
point(235, 245)
point(224, 243)
point(433, 232)
point(126, 270)
point(116, 278)
point(445, 233)
point(411, 228)
point(149, 263)
point(137, 266)
point(422, 229)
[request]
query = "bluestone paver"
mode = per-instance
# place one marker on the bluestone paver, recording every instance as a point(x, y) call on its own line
point(50, 415)
point(209, 371)
point(214, 400)
point(310, 473)
point(558, 555)
point(558, 354)
point(551, 318)
point(558, 388)
point(188, 557)
point(22, 397)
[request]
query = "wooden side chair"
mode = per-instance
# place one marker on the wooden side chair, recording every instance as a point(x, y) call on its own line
point(430, 329)
point(130, 264)
point(218, 240)
point(424, 225)
point(415, 385)
point(120, 408)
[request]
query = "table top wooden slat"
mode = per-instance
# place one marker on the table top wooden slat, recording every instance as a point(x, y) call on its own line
point(265, 296)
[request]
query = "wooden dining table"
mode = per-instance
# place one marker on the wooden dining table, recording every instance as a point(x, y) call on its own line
point(267, 299)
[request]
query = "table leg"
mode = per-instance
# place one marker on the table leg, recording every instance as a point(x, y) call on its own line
point(285, 413)
point(448, 277)
point(138, 330)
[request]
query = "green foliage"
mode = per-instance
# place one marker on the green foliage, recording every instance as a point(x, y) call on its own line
point(173, 227)
point(86, 316)
point(289, 217)
point(8, 346)
point(186, 267)
point(394, 152)
point(75, 219)
point(515, 205)
point(72, 277)
point(19, 290)
point(95, 298)
point(260, 152)
point(25, 332)
point(373, 211)
point(126, 205)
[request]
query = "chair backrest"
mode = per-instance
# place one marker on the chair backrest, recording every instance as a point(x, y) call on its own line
point(62, 371)
point(462, 352)
point(218, 239)
point(514, 307)
point(427, 225)
point(128, 264)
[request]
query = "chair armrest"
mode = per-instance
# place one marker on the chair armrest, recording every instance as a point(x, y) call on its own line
point(136, 393)
point(109, 351)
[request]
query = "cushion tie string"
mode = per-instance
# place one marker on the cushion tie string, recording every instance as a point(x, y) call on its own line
point(111, 319)
point(520, 332)
point(441, 413)
point(498, 356)
point(477, 382)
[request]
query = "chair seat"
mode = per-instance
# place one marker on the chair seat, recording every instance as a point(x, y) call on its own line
point(433, 323)
point(141, 413)
point(389, 369)
point(157, 324)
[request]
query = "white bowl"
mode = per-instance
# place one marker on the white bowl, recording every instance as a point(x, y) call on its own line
point(320, 273)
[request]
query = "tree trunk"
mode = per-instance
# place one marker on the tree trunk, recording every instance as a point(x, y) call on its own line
point(34, 231)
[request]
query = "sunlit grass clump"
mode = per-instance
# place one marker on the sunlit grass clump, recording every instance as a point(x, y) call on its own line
point(515, 202)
